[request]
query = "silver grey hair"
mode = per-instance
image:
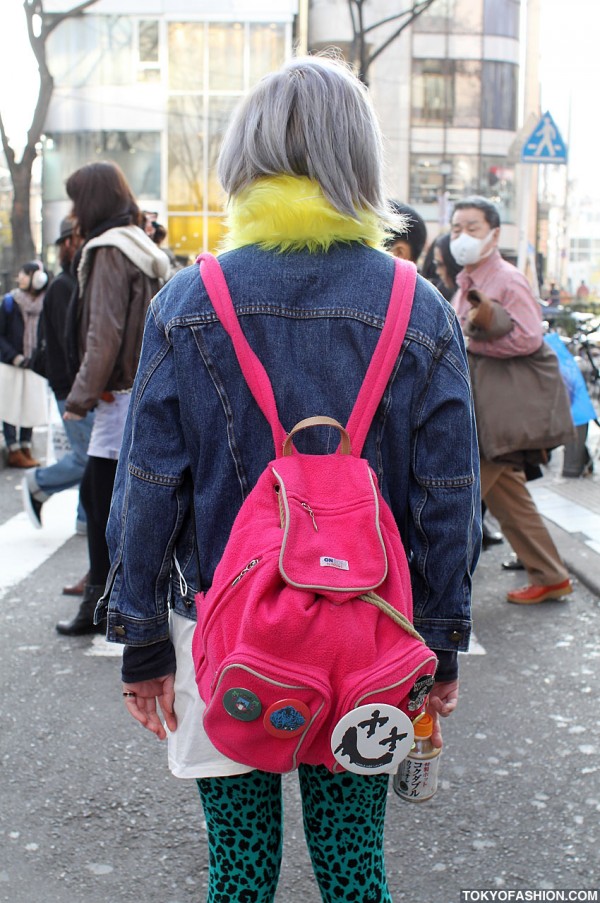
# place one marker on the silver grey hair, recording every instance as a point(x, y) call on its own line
point(313, 118)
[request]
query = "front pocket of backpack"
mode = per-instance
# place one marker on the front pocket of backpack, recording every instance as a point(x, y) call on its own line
point(403, 680)
point(264, 712)
point(337, 547)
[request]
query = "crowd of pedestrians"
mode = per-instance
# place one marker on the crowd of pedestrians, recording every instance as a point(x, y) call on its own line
point(82, 331)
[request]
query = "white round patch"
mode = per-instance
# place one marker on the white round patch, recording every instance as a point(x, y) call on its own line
point(372, 739)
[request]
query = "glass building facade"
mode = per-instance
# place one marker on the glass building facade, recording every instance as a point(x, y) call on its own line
point(155, 96)
point(464, 105)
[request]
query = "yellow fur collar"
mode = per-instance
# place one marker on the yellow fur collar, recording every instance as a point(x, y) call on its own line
point(288, 213)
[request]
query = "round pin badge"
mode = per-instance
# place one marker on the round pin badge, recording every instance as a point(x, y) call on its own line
point(420, 691)
point(372, 739)
point(242, 704)
point(286, 718)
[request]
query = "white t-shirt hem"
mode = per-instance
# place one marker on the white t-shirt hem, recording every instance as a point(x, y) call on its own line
point(191, 754)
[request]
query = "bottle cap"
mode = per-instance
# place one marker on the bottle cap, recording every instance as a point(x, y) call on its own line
point(423, 727)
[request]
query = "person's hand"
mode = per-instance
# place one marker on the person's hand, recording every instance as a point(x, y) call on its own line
point(69, 415)
point(142, 705)
point(443, 699)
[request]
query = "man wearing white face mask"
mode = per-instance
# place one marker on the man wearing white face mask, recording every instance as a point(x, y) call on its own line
point(501, 319)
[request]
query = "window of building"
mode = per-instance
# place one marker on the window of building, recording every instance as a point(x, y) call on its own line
point(446, 92)
point(186, 56)
point(437, 182)
point(467, 94)
point(452, 17)
point(92, 51)
point(148, 51)
point(211, 66)
point(498, 184)
point(432, 177)
point(137, 153)
point(267, 49)
point(219, 114)
point(584, 250)
point(185, 184)
point(226, 56)
point(499, 88)
point(501, 17)
point(432, 92)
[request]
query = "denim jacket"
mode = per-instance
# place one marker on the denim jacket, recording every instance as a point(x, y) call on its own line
point(195, 441)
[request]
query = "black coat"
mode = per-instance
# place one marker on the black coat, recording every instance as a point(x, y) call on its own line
point(52, 359)
point(12, 329)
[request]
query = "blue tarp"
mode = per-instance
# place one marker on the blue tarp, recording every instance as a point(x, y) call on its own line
point(582, 409)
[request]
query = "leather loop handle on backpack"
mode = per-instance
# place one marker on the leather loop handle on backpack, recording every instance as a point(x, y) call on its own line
point(344, 448)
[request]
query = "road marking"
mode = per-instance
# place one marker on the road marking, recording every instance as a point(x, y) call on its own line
point(475, 647)
point(23, 549)
point(102, 648)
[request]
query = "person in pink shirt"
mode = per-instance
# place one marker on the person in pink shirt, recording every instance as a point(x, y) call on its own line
point(500, 318)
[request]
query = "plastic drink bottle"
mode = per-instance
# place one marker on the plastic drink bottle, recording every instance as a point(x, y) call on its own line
point(417, 775)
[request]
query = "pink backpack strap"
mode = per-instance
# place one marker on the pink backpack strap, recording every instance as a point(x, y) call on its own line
point(385, 355)
point(254, 372)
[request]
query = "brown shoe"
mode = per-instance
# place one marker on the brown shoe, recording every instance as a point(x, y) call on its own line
point(33, 462)
point(77, 588)
point(18, 459)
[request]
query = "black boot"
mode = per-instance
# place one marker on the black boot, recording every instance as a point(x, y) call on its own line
point(83, 622)
point(490, 537)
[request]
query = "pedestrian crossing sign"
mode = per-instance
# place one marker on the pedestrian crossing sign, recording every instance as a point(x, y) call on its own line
point(545, 144)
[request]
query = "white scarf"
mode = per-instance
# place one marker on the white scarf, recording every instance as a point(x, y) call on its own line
point(134, 244)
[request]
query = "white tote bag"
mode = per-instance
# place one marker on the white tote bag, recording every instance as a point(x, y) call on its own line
point(23, 397)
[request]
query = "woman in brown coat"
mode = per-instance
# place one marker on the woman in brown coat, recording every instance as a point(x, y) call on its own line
point(119, 269)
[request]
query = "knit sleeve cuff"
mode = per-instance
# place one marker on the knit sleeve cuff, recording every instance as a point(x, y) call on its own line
point(447, 668)
point(148, 662)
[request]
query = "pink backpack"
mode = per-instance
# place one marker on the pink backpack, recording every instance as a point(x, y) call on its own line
point(309, 616)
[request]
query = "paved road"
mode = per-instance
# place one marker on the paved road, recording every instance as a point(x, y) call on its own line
point(90, 813)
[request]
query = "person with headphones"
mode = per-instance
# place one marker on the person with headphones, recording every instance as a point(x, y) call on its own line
point(19, 318)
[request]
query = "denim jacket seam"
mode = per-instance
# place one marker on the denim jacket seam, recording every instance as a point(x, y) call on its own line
point(152, 366)
point(209, 317)
point(221, 391)
point(160, 479)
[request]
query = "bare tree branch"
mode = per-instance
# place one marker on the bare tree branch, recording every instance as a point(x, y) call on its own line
point(414, 15)
point(21, 170)
point(360, 31)
point(55, 19)
point(416, 10)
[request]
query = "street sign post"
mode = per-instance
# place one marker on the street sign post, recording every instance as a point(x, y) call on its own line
point(545, 144)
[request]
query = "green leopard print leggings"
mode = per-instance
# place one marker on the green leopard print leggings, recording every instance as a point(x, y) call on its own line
point(343, 822)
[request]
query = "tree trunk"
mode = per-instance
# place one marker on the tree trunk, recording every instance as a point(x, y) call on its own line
point(23, 247)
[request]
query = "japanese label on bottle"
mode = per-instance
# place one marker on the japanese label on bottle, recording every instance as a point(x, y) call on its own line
point(416, 779)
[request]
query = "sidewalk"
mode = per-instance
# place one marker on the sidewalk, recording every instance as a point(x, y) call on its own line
point(571, 508)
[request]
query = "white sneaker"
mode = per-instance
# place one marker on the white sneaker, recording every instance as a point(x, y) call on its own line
point(32, 507)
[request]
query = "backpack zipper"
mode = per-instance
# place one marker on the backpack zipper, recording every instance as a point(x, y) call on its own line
point(248, 567)
point(307, 508)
